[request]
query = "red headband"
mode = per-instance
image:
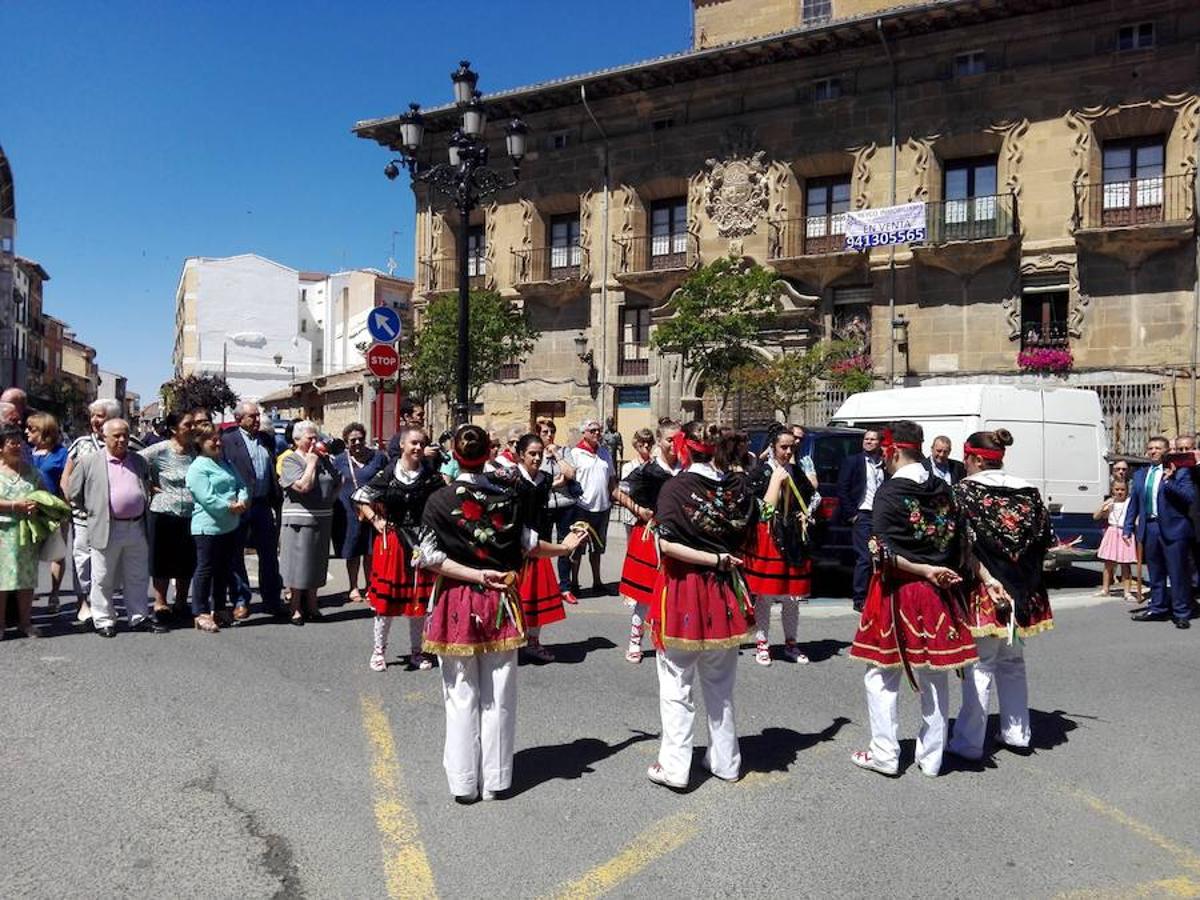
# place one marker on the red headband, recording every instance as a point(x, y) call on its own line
point(472, 463)
point(983, 453)
point(888, 443)
point(683, 444)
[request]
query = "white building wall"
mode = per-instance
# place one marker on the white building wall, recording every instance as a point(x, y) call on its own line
point(248, 312)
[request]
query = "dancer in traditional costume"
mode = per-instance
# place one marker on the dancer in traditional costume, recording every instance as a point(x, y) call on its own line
point(1008, 533)
point(640, 571)
point(778, 566)
point(541, 599)
point(392, 502)
point(701, 610)
point(912, 619)
point(475, 539)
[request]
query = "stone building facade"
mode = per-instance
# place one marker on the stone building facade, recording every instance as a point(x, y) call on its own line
point(1054, 144)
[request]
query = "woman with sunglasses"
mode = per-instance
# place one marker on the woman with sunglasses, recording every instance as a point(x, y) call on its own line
point(357, 464)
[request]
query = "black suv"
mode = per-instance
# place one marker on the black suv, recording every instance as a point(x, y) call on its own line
point(827, 447)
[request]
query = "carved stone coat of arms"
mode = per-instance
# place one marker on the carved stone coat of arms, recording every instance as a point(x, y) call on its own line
point(736, 194)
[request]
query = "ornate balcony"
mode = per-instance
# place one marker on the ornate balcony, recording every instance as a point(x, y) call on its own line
point(1037, 335)
point(550, 271)
point(1134, 219)
point(964, 236)
point(655, 264)
point(439, 274)
point(812, 248)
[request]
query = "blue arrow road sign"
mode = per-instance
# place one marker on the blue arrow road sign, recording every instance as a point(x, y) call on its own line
point(383, 323)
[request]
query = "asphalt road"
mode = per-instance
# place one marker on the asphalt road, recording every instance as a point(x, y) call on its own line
point(268, 761)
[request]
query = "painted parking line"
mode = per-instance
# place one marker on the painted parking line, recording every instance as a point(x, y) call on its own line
point(1167, 887)
point(663, 837)
point(405, 863)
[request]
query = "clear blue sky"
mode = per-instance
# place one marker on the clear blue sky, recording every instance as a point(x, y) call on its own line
point(141, 133)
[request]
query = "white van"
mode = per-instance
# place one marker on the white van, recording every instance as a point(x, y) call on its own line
point(1059, 439)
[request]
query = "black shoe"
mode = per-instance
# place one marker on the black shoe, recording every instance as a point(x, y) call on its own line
point(107, 631)
point(150, 625)
point(1182, 623)
point(858, 606)
point(1146, 616)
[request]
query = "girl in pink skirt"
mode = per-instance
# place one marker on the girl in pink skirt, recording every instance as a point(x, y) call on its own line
point(1115, 548)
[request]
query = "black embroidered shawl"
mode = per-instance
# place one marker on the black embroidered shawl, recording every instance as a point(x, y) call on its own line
point(704, 514)
point(479, 524)
point(646, 482)
point(788, 530)
point(535, 499)
point(917, 521)
point(1009, 531)
point(403, 502)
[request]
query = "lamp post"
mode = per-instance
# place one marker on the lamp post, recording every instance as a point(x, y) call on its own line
point(466, 181)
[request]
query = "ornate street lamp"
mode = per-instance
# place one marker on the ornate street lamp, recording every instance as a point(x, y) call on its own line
point(466, 181)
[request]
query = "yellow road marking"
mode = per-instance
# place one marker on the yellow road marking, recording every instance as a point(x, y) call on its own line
point(1186, 857)
point(661, 838)
point(1168, 887)
point(405, 865)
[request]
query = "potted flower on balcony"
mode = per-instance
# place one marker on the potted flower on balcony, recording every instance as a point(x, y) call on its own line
point(852, 373)
point(1046, 360)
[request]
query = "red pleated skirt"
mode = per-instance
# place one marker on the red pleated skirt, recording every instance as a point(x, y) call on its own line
point(696, 608)
point(463, 621)
point(640, 571)
point(541, 600)
point(768, 574)
point(396, 588)
point(983, 621)
point(934, 633)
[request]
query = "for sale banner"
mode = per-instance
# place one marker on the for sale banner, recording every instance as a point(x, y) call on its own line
point(903, 224)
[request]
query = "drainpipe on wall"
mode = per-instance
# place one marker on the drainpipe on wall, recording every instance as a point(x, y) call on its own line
point(603, 400)
point(1195, 293)
point(892, 256)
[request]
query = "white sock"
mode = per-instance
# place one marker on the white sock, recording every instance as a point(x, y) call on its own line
point(383, 624)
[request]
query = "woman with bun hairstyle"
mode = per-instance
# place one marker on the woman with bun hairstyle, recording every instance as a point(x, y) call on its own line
point(1007, 530)
point(541, 599)
point(392, 503)
point(777, 554)
point(475, 538)
point(701, 609)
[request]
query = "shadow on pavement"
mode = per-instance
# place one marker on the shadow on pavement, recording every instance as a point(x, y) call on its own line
point(826, 648)
point(775, 749)
point(538, 765)
point(571, 653)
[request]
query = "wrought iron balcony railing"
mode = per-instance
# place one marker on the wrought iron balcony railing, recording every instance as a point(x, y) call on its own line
point(806, 236)
point(972, 219)
point(440, 273)
point(656, 252)
point(548, 264)
point(1044, 334)
point(1139, 201)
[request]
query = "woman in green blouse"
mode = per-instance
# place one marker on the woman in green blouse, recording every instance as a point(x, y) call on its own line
point(172, 551)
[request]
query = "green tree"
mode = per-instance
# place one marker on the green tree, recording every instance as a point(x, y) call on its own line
point(499, 334)
point(790, 379)
point(719, 313)
point(211, 392)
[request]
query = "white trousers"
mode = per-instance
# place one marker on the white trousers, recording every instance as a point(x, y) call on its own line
point(789, 614)
point(677, 672)
point(883, 689)
point(81, 556)
point(125, 561)
point(1003, 667)
point(481, 721)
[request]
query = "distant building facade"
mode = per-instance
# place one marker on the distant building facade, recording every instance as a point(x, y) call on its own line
point(1053, 145)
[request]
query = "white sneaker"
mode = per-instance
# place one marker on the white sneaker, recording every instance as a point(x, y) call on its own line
point(762, 653)
point(864, 760)
point(378, 663)
point(658, 775)
point(791, 650)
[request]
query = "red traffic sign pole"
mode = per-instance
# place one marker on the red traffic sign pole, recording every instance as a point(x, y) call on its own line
point(382, 360)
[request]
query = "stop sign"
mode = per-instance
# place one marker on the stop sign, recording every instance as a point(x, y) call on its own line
point(382, 360)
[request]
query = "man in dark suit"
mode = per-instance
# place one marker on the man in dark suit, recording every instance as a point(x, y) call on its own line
point(1160, 500)
point(940, 464)
point(858, 479)
point(252, 455)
